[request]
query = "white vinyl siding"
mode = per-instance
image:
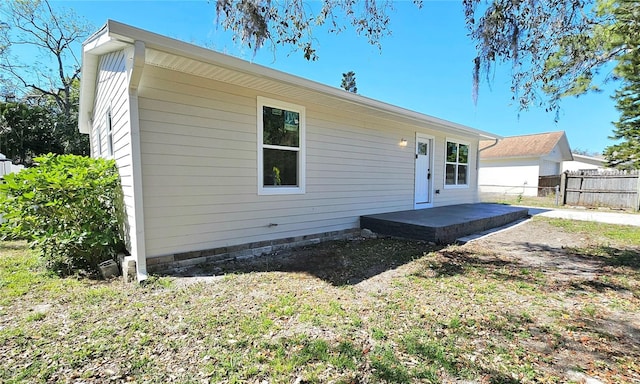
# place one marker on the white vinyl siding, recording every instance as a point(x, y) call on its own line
point(199, 156)
point(509, 176)
point(549, 168)
point(111, 103)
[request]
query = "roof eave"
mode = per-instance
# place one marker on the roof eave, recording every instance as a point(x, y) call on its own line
point(89, 75)
point(113, 31)
point(565, 148)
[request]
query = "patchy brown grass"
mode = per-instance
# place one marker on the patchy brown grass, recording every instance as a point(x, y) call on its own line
point(543, 302)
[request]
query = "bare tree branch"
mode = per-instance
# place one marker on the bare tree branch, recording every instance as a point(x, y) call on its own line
point(35, 24)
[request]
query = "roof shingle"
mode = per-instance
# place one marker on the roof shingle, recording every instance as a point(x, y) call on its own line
point(520, 146)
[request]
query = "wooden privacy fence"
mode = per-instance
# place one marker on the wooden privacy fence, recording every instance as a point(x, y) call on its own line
point(610, 188)
point(547, 185)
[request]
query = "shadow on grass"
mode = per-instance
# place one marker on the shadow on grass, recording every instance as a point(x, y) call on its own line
point(616, 257)
point(541, 266)
point(352, 261)
point(338, 263)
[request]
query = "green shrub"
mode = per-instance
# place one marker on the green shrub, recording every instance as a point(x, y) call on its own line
point(69, 207)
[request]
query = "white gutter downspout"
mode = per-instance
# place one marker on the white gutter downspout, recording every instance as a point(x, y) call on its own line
point(135, 58)
point(497, 140)
point(480, 150)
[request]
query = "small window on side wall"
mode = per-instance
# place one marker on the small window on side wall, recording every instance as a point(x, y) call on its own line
point(109, 134)
point(281, 147)
point(98, 141)
point(457, 164)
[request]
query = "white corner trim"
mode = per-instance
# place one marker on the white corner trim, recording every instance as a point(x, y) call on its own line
point(135, 66)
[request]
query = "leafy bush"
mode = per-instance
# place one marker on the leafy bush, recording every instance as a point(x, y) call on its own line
point(69, 207)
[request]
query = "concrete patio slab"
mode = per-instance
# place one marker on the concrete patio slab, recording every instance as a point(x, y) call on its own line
point(443, 225)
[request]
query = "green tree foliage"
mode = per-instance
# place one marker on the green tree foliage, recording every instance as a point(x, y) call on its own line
point(33, 128)
point(50, 82)
point(551, 44)
point(349, 82)
point(561, 47)
point(291, 23)
point(69, 207)
point(556, 48)
point(626, 36)
point(25, 132)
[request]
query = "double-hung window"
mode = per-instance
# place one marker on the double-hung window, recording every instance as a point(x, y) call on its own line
point(281, 147)
point(457, 164)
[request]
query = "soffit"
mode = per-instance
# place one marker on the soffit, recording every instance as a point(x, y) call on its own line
point(269, 85)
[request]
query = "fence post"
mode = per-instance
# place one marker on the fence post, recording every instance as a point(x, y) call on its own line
point(563, 188)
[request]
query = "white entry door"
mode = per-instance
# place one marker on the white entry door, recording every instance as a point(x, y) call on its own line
point(423, 172)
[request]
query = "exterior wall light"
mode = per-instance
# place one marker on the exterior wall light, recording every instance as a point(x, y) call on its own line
point(403, 142)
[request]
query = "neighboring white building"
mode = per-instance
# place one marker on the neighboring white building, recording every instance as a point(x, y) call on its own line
point(220, 156)
point(582, 162)
point(514, 164)
point(6, 166)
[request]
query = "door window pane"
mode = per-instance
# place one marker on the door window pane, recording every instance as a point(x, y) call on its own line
point(422, 148)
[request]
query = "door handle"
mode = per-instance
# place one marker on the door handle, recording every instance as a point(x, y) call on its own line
point(429, 176)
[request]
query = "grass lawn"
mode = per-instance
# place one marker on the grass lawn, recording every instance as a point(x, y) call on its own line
point(429, 316)
point(548, 201)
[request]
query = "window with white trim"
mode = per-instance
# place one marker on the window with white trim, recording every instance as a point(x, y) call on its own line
point(457, 164)
point(281, 147)
point(109, 134)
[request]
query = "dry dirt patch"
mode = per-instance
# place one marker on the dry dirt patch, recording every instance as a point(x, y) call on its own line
point(538, 244)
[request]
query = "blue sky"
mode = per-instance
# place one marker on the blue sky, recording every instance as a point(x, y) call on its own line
point(425, 65)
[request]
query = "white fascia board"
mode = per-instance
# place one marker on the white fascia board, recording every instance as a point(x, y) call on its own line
point(96, 45)
point(89, 73)
point(588, 159)
point(129, 34)
point(565, 148)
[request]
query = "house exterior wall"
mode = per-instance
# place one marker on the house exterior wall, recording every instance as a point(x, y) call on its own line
point(112, 95)
point(582, 163)
point(551, 164)
point(199, 166)
point(550, 168)
point(7, 167)
point(509, 176)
